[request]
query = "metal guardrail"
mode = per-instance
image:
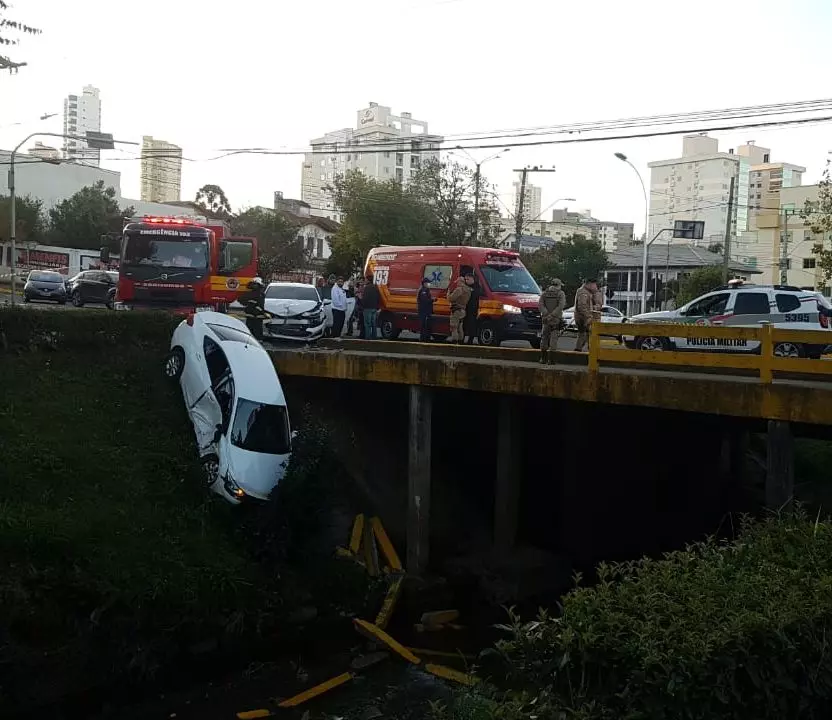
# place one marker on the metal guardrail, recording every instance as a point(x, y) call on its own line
point(763, 360)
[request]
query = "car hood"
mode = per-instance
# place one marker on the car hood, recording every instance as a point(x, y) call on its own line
point(661, 316)
point(256, 473)
point(289, 308)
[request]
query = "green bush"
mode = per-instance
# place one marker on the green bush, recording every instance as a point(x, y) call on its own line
point(83, 330)
point(720, 630)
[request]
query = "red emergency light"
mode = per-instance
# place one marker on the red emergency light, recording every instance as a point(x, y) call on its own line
point(166, 220)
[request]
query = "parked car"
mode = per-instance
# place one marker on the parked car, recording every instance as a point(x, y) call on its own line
point(609, 314)
point(297, 312)
point(235, 402)
point(45, 285)
point(740, 305)
point(93, 286)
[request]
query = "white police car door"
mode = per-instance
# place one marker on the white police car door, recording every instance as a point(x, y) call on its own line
point(710, 309)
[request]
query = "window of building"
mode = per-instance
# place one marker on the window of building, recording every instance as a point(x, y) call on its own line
point(323, 176)
point(323, 162)
point(320, 249)
point(387, 153)
point(766, 158)
point(399, 158)
point(809, 263)
point(386, 170)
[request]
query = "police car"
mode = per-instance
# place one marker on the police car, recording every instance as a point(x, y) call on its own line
point(740, 305)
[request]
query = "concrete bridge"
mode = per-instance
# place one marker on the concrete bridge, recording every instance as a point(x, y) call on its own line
point(739, 393)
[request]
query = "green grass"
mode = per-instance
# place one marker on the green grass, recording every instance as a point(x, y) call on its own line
point(108, 541)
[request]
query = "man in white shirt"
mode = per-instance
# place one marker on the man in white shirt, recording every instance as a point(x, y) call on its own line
point(339, 307)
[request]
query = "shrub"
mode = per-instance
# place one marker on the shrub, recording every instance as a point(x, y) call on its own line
point(719, 630)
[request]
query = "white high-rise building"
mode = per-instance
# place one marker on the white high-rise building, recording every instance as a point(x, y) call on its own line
point(532, 202)
point(82, 113)
point(382, 146)
point(161, 169)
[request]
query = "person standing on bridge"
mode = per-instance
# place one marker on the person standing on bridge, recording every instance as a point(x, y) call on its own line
point(370, 300)
point(584, 307)
point(472, 311)
point(424, 303)
point(339, 307)
point(552, 304)
point(458, 298)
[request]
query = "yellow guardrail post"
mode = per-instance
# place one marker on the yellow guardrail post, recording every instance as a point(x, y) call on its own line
point(594, 341)
point(766, 352)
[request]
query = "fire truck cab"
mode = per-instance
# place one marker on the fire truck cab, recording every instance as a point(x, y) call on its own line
point(181, 264)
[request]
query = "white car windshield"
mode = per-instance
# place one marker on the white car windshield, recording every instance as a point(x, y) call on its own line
point(262, 428)
point(292, 292)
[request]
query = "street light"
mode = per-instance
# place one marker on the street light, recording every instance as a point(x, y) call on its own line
point(477, 186)
point(623, 158)
point(102, 141)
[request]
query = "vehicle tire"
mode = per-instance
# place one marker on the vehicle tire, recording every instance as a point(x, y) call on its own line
point(788, 349)
point(387, 323)
point(174, 364)
point(111, 303)
point(76, 299)
point(535, 342)
point(651, 343)
point(210, 469)
point(488, 335)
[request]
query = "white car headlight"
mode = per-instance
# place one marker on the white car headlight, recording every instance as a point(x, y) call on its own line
point(232, 487)
point(511, 309)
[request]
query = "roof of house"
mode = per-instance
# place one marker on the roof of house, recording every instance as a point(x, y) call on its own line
point(674, 256)
point(322, 222)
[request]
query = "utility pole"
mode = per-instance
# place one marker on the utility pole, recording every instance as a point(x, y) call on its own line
point(477, 205)
point(726, 249)
point(784, 250)
point(519, 220)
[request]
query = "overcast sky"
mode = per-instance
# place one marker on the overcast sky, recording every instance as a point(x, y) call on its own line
point(208, 76)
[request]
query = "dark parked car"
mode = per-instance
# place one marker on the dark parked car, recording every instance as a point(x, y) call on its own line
point(44, 285)
point(93, 286)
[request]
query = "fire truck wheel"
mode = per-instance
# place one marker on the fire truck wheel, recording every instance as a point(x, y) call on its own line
point(175, 364)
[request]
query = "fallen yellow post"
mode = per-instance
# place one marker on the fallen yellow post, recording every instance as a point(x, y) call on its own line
point(451, 674)
point(378, 635)
point(386, 546)
point(250, 714)
point(389, 604)
point(438, 618)
point(314, 692)
point(356, 534)
point(441, 653)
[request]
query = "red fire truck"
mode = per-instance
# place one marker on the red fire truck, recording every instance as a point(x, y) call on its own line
point(180, 264)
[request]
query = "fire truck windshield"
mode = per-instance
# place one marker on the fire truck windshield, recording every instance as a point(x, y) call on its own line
point(166, 253)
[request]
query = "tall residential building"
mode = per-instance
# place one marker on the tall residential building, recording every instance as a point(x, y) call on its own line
point(382, 146)
point(696, 185)
point(532, 201)
point(82, 113)
point(161, 180)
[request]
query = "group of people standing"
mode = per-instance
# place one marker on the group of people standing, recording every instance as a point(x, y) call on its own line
point(589, 299)
point(365, 313)
point(464, 300)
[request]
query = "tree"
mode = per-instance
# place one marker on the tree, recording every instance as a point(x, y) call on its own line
point(375, 213)
point(213, 202)
point(817, 214)
point(81, 220)
point(572, 260)
point(30, 226)
point(9, 29)
point(449, 190)
point(280, 248)
point(716, 248)
point(699, 282)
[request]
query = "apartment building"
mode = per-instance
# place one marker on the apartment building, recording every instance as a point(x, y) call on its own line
point(44, 152)
point(532, 201)
point(82, 113)
point(382, 145)
point(161, 171)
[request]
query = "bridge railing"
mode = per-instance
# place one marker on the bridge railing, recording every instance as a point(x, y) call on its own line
point(763, 359)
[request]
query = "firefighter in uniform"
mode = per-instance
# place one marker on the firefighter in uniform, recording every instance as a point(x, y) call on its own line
point(253, 303)
point(458, 298)
point(552, 304)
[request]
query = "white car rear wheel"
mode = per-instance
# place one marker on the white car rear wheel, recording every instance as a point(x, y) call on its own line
point(175, 364)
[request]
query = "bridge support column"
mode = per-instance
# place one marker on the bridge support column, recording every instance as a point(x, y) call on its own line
point(780, 465)
point(418, 478)
point(507, 490)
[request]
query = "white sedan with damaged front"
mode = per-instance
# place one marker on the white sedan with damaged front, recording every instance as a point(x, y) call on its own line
point(235, 402)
